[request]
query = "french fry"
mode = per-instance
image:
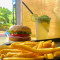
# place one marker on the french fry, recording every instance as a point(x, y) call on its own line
point(24, 51)
point(26, 55)
point(4, 51)
point(56, 49)
point(57, 53)
point(50, 41)
point(53, 45)
point(42, 51)
point(17, 58)
point(40, 45)
point(41, 57)
point(2, 56)
point(29, 50)
point(5, 47)
point(50, 56)
point(35, 47)
point(27, 43)
point(45, 55)
point(31, 43)
point(47, 45)
point(11, 54)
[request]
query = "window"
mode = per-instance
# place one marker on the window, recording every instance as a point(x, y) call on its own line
point(7, 14)
point(7, 18)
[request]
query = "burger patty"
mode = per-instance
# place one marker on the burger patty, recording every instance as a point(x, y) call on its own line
point(19, 38)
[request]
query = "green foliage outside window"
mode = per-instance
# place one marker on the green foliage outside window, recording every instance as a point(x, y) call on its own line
point(6, 18)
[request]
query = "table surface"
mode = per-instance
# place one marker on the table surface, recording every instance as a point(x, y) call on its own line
point(3, 40)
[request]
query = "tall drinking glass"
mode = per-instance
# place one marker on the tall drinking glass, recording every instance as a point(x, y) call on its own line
point(42, 27)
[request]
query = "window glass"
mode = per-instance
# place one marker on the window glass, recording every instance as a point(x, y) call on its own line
point(7, 18)
point(7, 14)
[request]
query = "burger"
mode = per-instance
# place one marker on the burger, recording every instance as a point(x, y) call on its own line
point(19, 33)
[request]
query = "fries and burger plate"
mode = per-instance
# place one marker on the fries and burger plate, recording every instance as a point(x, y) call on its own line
point(23, 48)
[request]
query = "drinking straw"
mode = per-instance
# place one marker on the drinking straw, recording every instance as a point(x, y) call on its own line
point(27, 7)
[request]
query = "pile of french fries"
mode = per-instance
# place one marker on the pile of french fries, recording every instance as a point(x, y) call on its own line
point(29, 51)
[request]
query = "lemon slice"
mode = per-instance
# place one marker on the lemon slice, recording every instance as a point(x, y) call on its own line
point(34, 16)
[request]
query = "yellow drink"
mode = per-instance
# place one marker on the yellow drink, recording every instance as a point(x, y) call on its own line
point(42, 29)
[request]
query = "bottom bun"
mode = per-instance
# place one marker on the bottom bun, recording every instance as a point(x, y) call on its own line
point(28, 38)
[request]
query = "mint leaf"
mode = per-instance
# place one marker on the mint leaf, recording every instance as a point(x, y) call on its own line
point(44, 16)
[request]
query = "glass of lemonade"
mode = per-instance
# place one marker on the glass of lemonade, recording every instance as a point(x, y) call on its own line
point(42, 27)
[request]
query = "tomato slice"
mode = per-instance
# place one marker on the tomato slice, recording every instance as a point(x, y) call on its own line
point(19, 35)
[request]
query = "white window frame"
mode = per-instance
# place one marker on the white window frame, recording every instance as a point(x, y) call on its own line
point(19, 20)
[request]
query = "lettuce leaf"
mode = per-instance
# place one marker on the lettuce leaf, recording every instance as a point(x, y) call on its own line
point(19, 32)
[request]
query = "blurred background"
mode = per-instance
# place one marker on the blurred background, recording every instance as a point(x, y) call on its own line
point(38, 7)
